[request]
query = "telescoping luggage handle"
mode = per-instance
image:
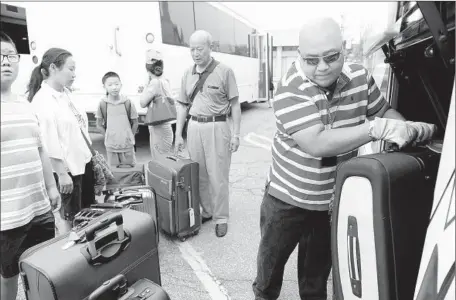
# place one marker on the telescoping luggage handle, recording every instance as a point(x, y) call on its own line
point(117, 284)
point(122, 239)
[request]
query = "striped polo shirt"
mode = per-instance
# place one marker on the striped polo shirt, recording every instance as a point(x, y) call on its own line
point(296, 177)
point(23, 191)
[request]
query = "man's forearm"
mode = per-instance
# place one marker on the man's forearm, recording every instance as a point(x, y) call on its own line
point(341, 140)
point(236, 115)
point(180, 119)
point(393, 114)
point(49, 179)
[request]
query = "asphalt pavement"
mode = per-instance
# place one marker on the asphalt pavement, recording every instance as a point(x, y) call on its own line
point(209, 268)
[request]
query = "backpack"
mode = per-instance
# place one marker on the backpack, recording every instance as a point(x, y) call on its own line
point(104, 111)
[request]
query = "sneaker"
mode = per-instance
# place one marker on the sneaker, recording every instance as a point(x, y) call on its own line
point(221, 230)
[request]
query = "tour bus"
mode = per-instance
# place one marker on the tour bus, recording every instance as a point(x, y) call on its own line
point(413, 63)
point(114, 36)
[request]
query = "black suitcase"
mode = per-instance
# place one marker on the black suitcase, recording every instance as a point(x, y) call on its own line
point(381, 211)
point(175, 181)
point(117, 288)
point(116, 242)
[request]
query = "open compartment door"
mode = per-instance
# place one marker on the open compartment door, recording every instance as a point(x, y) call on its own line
point(436, 278)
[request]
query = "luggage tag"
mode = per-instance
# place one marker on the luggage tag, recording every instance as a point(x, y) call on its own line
point(191, 212)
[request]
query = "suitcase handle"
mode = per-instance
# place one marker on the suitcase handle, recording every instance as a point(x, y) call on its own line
point(117, 283)
point(90, 233)
point(354, 260)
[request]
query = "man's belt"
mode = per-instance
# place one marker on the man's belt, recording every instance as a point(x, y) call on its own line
point(204, 119)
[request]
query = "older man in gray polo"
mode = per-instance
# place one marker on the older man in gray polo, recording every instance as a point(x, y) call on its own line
point(210, 141)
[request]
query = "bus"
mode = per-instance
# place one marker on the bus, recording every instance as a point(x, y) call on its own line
point(413, 62)
point(114, 36)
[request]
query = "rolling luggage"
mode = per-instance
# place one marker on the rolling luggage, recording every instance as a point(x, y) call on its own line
point(116, 242)
point(175, 181)
point(117, 288)
point(139, 198)
point(381, 211)
point(124, 177)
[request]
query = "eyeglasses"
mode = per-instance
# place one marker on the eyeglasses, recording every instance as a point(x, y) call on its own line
point(13, 58)
point(314, 61)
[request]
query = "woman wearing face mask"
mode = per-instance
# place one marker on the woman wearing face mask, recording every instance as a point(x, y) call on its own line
point(61, 121)
point(161, 136)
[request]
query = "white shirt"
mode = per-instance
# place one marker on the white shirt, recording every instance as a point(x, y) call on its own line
point(60, 128)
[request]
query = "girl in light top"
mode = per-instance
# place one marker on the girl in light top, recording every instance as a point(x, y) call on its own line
point(61, 121)
point(161, 136)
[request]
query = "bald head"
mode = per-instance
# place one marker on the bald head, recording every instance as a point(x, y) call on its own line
point(320, 33)
point(201, 37)
point(200, 47)
point(321, 38)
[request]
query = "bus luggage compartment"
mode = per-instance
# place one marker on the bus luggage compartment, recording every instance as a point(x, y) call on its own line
point(381, 212)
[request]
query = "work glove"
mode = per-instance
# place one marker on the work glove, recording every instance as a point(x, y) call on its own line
point(425, 130)
point(392, 131)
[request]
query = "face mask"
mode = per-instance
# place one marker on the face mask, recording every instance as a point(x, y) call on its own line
point(157, 68)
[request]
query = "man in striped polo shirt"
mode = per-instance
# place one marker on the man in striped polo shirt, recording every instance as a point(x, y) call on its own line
point(28, 188)
point(321, 107)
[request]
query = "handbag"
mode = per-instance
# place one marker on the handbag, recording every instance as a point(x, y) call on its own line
point(163, 109)
point(101, 170)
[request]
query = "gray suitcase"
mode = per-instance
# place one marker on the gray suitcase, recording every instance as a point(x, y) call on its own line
point(140, 198)
point(117, 242)
point(175, 181)
point(117, 288)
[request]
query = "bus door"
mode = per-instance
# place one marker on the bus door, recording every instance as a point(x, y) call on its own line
point(261, 44)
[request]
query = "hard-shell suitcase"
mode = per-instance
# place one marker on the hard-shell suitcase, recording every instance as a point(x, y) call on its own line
point(140, 198)
point(175, 181)
point(381, 211)
point(118, 288)
point(143, 194)
point(117, 242)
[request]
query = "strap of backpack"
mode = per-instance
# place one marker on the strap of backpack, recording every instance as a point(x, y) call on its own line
point(127, 104)
point(104, 112)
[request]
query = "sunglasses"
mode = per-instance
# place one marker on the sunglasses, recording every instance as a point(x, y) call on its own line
point(328, 59)
point(13, 58)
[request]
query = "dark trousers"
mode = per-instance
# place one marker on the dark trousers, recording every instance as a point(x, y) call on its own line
point(88, 182)
point(284, 226)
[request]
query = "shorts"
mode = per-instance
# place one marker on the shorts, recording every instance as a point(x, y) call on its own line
point(71, 203)
point(15, 241)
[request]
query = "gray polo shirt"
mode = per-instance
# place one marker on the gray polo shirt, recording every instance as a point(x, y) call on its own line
point(214, 99)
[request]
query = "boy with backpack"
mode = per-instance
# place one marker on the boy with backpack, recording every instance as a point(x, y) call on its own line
point(117, 119)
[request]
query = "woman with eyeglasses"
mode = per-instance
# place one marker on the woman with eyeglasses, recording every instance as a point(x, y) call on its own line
point(28, 189)
point(62, 122)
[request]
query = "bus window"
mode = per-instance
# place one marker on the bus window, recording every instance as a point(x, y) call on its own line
point(177, 22)
point(14, 23)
